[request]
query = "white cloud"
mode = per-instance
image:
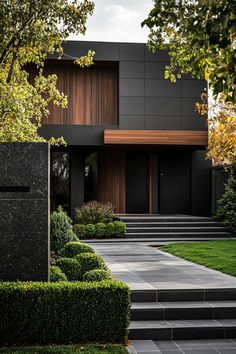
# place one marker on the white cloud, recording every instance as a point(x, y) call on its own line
point(118, 21)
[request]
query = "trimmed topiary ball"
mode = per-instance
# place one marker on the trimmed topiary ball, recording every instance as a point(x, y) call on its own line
point(71, 268)
point(56, 274)
point(72, 249)
point(89, 231)
point(110, 230)
point(97, 275)
point(90, 261)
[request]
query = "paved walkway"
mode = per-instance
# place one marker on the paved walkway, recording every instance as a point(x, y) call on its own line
point(205, 346)
point(143, 267)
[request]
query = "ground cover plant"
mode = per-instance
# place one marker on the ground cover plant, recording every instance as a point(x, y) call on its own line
point(70, 349)
point(218, 255)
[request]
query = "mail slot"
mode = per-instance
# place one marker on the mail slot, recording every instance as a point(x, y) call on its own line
point(24, 211)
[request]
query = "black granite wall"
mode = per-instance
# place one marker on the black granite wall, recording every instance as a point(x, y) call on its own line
point(24, 211)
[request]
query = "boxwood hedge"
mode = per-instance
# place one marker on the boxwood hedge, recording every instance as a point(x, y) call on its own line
point(64, 312)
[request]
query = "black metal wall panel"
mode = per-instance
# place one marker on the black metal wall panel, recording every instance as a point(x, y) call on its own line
point(129, 121)
point(131, 105)
point(131, 69)
point(132, 51)
point(200, 184)
point(160, 87)
point(132, 87)
point(162, 122)
point(163, 106)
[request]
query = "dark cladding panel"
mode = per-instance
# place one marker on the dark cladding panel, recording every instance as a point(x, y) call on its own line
point(162, 88)
point(201, 184)
point(103, 50)
point(155, 70)
point(161, 55)
point(132, 51)
point(76, 134)
point(162, 106)
point(131, 105)
point(189, 106)
point(131, 87)
point(194, 123)
point(163, 122)
point(131, 121)
point(131, 69)
point(192, 88)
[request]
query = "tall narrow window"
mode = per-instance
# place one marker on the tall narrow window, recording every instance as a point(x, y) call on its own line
point(60, 185)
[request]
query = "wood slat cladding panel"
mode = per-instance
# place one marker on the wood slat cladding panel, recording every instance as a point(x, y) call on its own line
point(92, 94)
point(111, 178)
point(156, 137)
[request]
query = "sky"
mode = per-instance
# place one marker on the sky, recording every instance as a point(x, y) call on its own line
point(117, 21)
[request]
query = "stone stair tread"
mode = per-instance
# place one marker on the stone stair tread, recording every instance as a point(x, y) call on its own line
point(182, 304)
point(157, 324)
point(159, 240)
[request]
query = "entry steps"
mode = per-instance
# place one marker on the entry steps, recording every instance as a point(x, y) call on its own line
point(183, 314)
point(155, 227)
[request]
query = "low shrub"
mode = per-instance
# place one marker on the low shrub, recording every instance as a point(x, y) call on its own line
point(100, 230)
point(80, 230)
point(63, 312)
point(89, 231)
point(110, 230)
point(94, 212)
point(61, 230)
point(70, 267)
point(120, 229)
point(72, 249)
point(97, 275)
point(56, 274)
point(90, 261)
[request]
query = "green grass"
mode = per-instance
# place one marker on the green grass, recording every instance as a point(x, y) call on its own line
point(219, 255)
point(70, 349)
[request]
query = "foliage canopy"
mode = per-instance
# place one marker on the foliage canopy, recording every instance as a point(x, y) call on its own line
point(201, 38)
point(30, 30)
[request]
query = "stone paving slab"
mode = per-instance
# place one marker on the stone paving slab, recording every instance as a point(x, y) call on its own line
point(205, 346)
point(143, 267)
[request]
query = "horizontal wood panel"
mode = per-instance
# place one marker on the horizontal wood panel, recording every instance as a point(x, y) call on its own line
point(92, 94)
point(155, 137)
point(111, 178)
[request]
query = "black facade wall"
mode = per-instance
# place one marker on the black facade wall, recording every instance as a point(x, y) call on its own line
point(147, 101)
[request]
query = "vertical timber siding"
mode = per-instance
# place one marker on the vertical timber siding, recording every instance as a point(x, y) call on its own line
point(92, 94)
point(111, 178)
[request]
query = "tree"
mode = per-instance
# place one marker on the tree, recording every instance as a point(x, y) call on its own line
point(30, 30)
point(226, 212)
point(201, 38)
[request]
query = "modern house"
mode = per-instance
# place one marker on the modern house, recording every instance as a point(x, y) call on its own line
point(134, 139)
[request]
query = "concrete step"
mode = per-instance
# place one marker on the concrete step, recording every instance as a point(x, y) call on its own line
point(164, 219)
point(186, 329)
point(141, 311)
point(190, 234)
point(161, 240)
point(173, 224)
point(130, 229)
point(184, 295)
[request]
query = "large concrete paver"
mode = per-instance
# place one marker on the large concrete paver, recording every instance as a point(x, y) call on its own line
point(143, 267)
point(205, 346)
